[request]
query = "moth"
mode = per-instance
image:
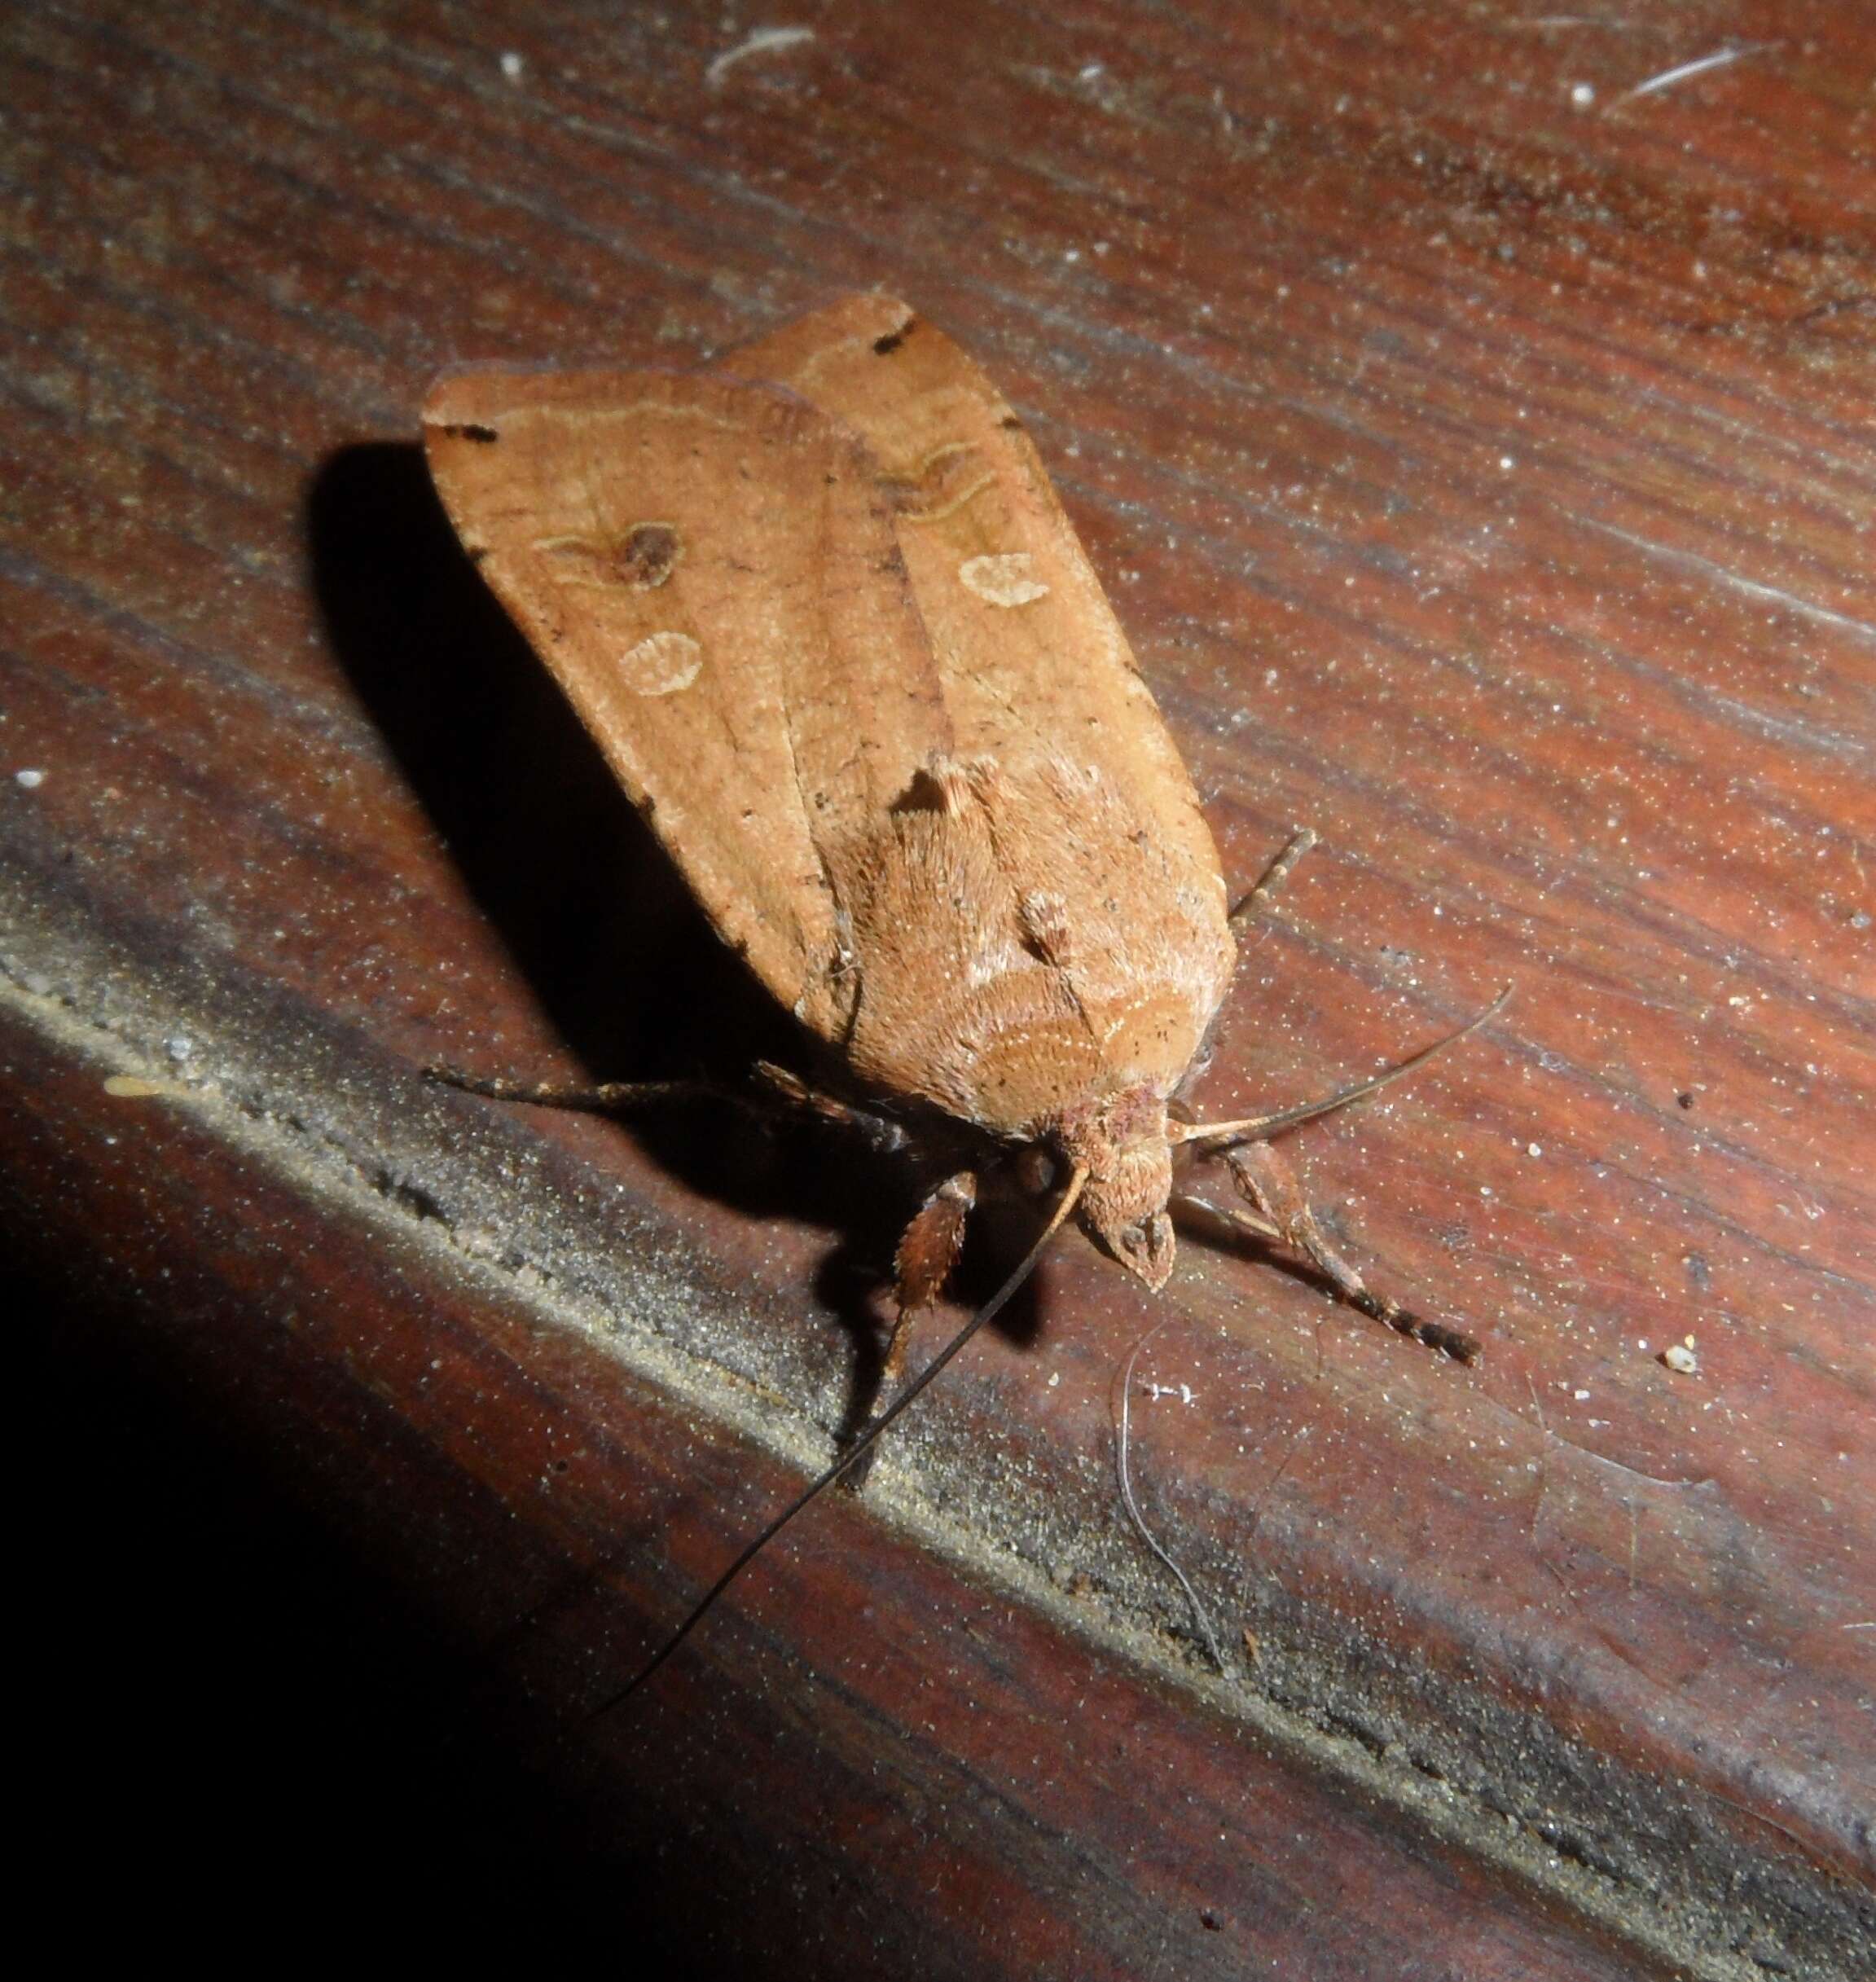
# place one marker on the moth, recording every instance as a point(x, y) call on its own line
point(822, 611)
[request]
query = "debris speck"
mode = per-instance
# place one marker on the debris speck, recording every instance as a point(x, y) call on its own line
point(1184, 1392)
point(1685, 71)
point(763, 41)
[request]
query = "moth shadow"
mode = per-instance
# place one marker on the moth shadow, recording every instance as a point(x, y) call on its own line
point(595, 914)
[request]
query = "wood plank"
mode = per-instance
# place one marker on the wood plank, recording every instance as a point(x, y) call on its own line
point(1476, 446)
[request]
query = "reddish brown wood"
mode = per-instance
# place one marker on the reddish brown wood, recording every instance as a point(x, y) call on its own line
point(893, 1768)
point(1484, 474)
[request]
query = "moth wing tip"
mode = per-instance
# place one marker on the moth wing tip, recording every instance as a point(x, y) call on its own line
point(460, 394)
point(863, 316)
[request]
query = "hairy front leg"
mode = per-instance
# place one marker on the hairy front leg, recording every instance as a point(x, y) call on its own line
point(928, 1249)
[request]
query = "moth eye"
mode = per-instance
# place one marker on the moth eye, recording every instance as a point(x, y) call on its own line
point(650, 555)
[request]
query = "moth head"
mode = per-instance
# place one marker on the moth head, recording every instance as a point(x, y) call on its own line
point(1122, 1142)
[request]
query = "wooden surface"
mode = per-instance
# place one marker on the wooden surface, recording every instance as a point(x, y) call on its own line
point(1477, 444)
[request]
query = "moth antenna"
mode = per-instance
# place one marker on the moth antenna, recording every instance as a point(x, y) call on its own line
point(859, 1447)
point(1287, 1117)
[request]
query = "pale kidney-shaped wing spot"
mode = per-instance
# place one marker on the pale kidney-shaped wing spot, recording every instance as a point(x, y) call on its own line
point(661, 663)
point(650, 555)
point(1005, 579)
point(644, 558)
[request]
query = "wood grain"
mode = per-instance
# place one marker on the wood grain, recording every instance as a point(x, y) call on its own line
point(1479, 455)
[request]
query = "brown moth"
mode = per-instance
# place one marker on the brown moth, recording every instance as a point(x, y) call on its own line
point(822, 611)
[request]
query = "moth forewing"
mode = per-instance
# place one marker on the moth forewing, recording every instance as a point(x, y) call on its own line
point(709, 569)
point(830, 627)
point(1035, 665)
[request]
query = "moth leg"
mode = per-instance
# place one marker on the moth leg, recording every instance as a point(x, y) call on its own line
point(1200, 1215)
point(1250, 911)
point(1301, 839)
point(608, 1096)
point(1271, 1185)
point(790, 1092)
point(777, 1092)
point(928, 1249)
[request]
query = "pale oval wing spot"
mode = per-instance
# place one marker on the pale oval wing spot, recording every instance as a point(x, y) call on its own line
point(1004, 579)
point(661, 663)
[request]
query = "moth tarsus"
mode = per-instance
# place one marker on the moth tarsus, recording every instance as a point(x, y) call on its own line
point(1453, 1343)
point(822, 611)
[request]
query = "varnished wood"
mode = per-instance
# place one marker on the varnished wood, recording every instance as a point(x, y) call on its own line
point(1479, 456)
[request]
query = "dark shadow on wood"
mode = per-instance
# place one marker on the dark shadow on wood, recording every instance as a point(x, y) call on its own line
point(222, 1679)
point(596, 917)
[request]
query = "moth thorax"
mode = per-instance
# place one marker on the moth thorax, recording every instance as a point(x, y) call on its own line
point(1122, 1142)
